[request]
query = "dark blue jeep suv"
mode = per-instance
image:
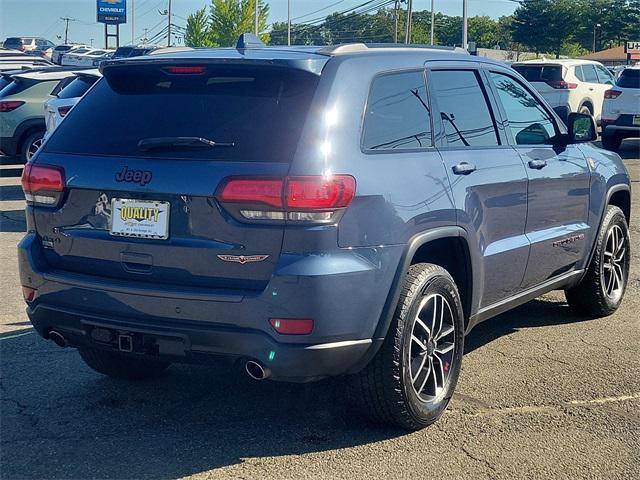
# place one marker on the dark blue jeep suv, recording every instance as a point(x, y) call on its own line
point(315, 211)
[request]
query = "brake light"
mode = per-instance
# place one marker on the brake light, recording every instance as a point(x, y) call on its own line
point(612, 93)
point(43, 185)
point(10, 105)
point(292, 326)
point(185, 70)
point(562, 85)
point(29, 293)
point(62, 111)
point(301, 199)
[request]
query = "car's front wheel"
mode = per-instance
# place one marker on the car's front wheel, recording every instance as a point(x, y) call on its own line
point(601, 290)
point(411, 380)
point(31, 145)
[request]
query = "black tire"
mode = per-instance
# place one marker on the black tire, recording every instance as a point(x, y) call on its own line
point(585, 109)
point(591, 297)
point(385, 390)
point(118, 365)
point(29, 142)
point(611, 142)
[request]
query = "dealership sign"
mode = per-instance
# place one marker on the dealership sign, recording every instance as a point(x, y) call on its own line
point(112, 11)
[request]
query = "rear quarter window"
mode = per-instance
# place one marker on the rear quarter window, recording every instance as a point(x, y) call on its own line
point(77, 87)
point(629, 78)
point(261, 110)
point(540, 73)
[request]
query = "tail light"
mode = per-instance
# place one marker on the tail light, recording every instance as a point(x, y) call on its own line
point(62, 111)
point(43, 185)
point(292, 326)
point(315, 199)
point(10, 105)
point(562, 85)
point(29, 293)
point(612, 93)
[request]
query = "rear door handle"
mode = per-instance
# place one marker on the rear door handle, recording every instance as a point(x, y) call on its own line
point(537, 164)
point(464, 168)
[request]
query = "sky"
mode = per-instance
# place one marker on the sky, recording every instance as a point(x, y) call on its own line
point(42, 17)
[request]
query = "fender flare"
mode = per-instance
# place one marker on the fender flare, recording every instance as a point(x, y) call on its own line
point(26, 126)
point(396, 286)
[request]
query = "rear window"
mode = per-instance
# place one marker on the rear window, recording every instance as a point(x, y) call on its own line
point(62, 48)
point(16, 87)
point(261, 110)
point(629, 78)
point(13, 42)
point(77, 87)
point(123, 52)
point(4, 81)
point(540, 73)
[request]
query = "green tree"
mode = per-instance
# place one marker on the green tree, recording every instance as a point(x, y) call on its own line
point(545, 25)
point(198, 32)
point(228, 19)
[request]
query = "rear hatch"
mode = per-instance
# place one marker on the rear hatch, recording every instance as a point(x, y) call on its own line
point(623, 101)
point(146, 211)
point(549, 80)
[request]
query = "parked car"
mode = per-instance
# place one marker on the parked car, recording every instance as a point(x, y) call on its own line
point(569, 85)
point(134, 51)
point(621, 110)
point(77, 50)
point(14, 62)
point(321, 211)
point(60, 50)
point(79, 58)
point(97, 61)
point(22, 124)
point(28, 44)
point(8, 52)
point(58, 107)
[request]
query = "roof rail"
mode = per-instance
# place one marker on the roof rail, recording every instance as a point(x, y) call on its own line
point(362, 47)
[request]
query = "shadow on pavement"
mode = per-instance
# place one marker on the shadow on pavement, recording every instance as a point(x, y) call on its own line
point(11, 192)
point(13, 221)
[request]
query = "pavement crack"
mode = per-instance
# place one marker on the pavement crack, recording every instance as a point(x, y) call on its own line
point(477, 459)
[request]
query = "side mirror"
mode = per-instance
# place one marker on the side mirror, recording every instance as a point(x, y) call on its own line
point(582, 128)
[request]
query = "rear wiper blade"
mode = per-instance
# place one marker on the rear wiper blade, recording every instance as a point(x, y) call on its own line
point(180, 142)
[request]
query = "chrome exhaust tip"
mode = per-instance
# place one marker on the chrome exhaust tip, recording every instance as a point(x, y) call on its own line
point(256, 371)
point(57, 338)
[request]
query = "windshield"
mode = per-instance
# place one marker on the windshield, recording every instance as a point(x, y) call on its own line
point(629, 78)
point(261, 110)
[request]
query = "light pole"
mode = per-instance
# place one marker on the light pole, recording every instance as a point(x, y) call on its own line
point(465, 21)
point(289, 22)
point(133, 19)
point(433, 18)
point(255, 14)
point(407, 36)
point(596, 26)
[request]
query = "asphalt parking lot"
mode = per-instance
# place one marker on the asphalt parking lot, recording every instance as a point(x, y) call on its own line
point(542, 394)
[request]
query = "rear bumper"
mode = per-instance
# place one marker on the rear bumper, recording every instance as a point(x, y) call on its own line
point(344, 293)
point(179, 342)
point(622, 131)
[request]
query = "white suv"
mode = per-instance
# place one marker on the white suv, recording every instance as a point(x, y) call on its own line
point(621, 110)
point(569, 85)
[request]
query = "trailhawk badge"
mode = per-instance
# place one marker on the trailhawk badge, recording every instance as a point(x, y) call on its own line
point(242, 259)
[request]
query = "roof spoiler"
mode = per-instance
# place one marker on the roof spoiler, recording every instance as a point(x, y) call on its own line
point(249, 40)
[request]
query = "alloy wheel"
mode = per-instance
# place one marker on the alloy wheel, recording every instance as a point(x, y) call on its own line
point(432, 347)
point(33, 148)
point(614, 263)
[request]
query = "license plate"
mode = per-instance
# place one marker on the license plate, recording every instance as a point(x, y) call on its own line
point(636, 120)
point(139, 218)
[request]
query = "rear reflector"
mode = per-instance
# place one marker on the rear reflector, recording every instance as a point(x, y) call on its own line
point(185, 70)
point(10, 105)
point(29, 293)
point(562, 85)
point(612, 93)
point(42, 184)
point(292, 326)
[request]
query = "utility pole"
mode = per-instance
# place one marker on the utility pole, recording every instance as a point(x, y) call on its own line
point(289, 22)
point(597, 25)
point(66, 28)
point(395, 20)
point(169, 26)
point(407, 37)
point(255, 14)
point(465, 21)
point(133, 19)
point(433, 19)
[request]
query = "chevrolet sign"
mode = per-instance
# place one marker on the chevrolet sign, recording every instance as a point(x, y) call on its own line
point(112, 11)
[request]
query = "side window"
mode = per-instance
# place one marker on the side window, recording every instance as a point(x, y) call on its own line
point(530, 124)
point(464, 109)
point(397, 116)
point(589, 72)
point(579, 75)
point(604, 76)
